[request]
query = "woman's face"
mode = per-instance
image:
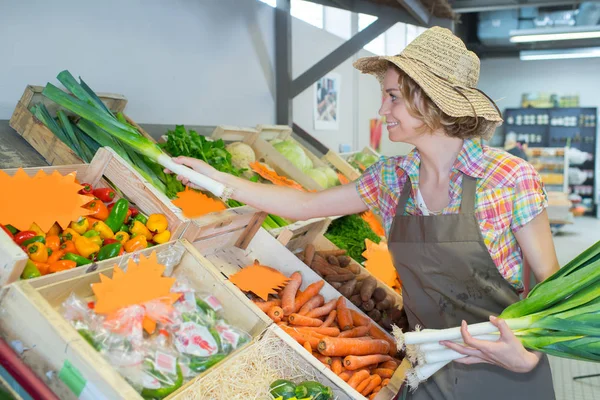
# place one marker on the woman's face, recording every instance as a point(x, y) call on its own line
point(402, 127)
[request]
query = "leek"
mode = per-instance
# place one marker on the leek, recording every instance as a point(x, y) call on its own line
point(68, 129)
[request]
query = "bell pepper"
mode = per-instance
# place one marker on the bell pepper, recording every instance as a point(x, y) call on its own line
point(110, 241)
point(8, 232)
point(69, 234)
point(162, 237)
point(61, 265)
point(109, 251)
point(54, 230)
point(53, 242)
point(23, 236)
point(117, 214)
point(157, 223)
point(30, 271)
point(38, 231)
point(104, 230)
point(77, 258)
point(124, 228)
point(37, 252)
point(11, 229)
point(98, 209)
point(42, 267)
point(137, 228)
point(55, 256)
point(136, 243)
point(68, 247)
point(122, 237)
point(94, 236)
point(141, 217)
point(35, 239)
point(80, 226)
point(107, 195)
point(86, 247)
point(86, 189)
point(134, 211)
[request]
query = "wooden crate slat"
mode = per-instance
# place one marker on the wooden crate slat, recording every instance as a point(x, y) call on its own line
point(12, 259)
point(342, 165)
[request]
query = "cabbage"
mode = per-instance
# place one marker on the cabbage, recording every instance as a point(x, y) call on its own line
point(294, 153)
point(332, 177)
point(366, 159)
point(319, 177)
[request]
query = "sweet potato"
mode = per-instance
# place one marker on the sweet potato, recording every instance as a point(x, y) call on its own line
point(339, 278)
point(368, 305)
point(348, 288)
point(336, 252)
point(354, 268)
point(344, 261)
point(367, 289)
point(379, 294)
point(356, 300)
point(333, 260)
point(337, 285)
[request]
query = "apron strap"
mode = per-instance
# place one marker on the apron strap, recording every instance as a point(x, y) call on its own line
point(404, 197)
point(469, 189)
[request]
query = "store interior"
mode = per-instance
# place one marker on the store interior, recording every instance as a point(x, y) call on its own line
point(263, 71)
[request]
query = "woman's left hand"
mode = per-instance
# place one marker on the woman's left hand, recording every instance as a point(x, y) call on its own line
point(507, 352)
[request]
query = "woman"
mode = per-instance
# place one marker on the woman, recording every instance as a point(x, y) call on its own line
point(461, 218)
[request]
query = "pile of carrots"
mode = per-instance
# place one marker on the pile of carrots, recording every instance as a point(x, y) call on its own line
point(344, 340)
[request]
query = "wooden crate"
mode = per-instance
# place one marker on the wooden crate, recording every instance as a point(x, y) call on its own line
point(106, 169)
point(31, 314)
point(239, 244)
point(343, 166)
point(54, 151)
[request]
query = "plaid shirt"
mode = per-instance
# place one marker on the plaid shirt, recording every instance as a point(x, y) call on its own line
point(510, 194)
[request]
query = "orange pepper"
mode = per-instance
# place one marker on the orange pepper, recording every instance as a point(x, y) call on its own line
point(53, 242)
point(61, 265)
point(55, 256)
point(69, 247)
point(138, 242)
point(42, 267)
point(54, 230)
point(38, 252)
point(98, 209)
point(91, 220)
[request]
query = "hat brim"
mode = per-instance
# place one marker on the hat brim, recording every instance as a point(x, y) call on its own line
point(453, 100)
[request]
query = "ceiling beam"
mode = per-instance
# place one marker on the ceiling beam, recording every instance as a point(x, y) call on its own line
point(471, 6)
point(368, 7)
point(416, 9)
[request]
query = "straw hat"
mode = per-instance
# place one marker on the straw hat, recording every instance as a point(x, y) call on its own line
point(441, 65)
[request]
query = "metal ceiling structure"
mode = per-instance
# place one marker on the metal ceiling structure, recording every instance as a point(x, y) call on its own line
point(473, 6)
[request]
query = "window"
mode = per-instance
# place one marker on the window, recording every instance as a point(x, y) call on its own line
point(308, 12)
point(338, 22)
point(395, 39)
point(377, 45)
point(272, 3)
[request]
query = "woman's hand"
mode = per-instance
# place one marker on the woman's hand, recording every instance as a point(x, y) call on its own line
point(507, 352)
point(196, 165)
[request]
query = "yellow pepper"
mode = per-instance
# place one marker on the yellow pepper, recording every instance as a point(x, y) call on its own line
point(37, 252)
point(162, 237)
point(80, 226)
point(138, 242)
point(34, 227)
point(140, 229)
point(54, 230)
point(103, 229)
point(69, 234)
point(95, 238)
point(157, 223)
point(86, 247)
point(122, 237)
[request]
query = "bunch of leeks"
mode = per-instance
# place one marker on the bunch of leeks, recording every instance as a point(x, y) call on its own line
point(559, 317)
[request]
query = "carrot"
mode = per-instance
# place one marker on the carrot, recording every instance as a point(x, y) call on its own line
point(330, 319)
point(358, 377)
point(355, 332)
point(308, 347)
point(323, 310)
point(374, 394)
point(302, 337)
point(343, 314)
point(383, 372)
point(377, 333)
point(361, 386)
point(275, 313)
point(265, 306)
point(356, 362)
point(336, 365)
point(358, 319)
point(311, 290)
point(346, 375)
point(385, 382)
point(346, 346)
point(328, 331)
point(325, 253)
point(324, 359)
point(314, 302)
point(288, 294)
point(391, 364)
point(303, 320)
point(373, 383)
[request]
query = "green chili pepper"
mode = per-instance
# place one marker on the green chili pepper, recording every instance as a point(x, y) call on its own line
point(165, 391)
point(215, 334)
point(91, 233)
point(12, 229)
point(210, 312)
point(30, 271)
point(77, 258)
point(143, 219)
point(39, 239)
point(124, 228)
point(117, 215)
point(87, 335)
point(109, 251)
point(198, 364)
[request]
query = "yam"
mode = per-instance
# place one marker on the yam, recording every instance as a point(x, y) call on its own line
point(356, 300)
point(347, 289)
point(344, 261)
point(367, 289)
point(333, 260)
point(375, 315)
point(368, 305)
point(379, 294)
point(339, 278)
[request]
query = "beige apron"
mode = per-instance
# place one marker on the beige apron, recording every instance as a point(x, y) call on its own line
point(448, 275)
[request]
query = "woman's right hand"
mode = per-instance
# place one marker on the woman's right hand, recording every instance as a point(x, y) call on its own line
point(198, 166)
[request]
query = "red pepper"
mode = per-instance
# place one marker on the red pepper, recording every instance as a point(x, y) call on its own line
point(109, 241)
point(23, 236)
point(87, 188)
point(134, 211)
point(9, 233)
point(107, 195)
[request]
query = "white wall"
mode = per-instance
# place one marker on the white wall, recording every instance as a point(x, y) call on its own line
point(203, 62)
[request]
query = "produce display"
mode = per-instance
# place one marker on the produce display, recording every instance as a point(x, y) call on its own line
point(111, 229)
point(344, 340)
point(362, 160)
point(559, 317)
point(189, 338)
point(349, 233)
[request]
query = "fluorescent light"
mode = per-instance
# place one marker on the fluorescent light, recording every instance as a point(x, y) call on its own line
point(532, 55)
point(549, 34)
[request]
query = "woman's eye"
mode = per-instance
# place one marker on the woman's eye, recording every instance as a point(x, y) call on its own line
point(392, 97)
